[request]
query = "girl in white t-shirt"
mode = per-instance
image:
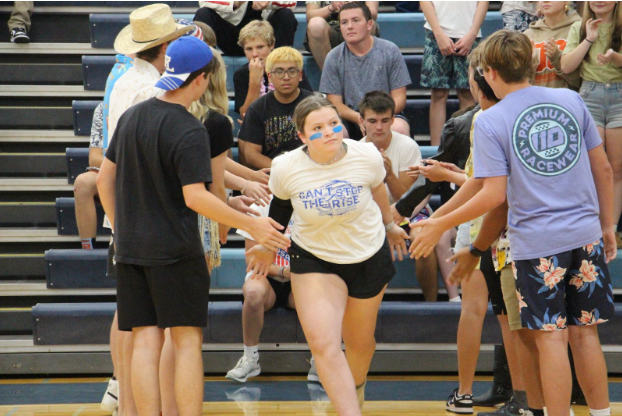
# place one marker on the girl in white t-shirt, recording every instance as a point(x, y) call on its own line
point(341, 255)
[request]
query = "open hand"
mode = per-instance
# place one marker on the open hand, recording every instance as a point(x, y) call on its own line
point(465, 263)
point(259, 259)
point(262, 176)
point(426, 239)
point(242, 203)
point(259, 192)
point(265, 231)
point(397, 242)
point(551, 49)
point(591, 29)
point(605, 58)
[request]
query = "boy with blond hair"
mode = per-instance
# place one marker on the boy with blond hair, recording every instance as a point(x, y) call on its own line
point(251, 81)
point(540, 149)
point(268, 129)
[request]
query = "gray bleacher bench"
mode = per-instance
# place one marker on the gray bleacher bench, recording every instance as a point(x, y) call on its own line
point(66, 217)
point(83, 117)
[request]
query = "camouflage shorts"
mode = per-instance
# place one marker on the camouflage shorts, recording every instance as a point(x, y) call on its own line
point(443, 72)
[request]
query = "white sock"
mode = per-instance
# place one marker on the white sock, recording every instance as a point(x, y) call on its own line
point(252, 352)
point(456, 299)
point(602, 412)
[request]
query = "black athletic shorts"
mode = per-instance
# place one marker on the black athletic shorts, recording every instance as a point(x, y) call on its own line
point(163, 296)
point(282, 291)
point(364, 280)
point(493, 281)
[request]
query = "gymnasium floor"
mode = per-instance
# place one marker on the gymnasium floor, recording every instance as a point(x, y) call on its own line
point(278, 396)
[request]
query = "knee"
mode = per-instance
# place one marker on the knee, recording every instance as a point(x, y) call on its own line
point(205, 15)
point(254, 295)
point(317, 28)
point(285, 19)
point(325, 348)
point(85, 185)
point(475, 309)
point(616, 169)
point(401, 126)
point(465, 94)
point(361, 346)
point(186, 338)
point(439, 94)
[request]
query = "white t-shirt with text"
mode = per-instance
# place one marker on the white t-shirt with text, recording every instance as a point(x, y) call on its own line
point(335, 216)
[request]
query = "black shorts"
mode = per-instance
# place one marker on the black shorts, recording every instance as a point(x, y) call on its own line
point(282, 291)
point(364, 280)
point(164, 296)
point(493, 282)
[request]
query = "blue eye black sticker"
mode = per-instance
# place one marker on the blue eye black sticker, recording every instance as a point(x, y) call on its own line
point(336, 129)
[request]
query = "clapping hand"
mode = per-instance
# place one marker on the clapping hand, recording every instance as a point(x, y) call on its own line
point(591, 29)
point(604, 59)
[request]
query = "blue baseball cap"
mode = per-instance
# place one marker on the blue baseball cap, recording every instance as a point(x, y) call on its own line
point(183, 56)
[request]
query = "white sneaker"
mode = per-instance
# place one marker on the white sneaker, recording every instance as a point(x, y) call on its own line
point(312, 376)
point(244, 369)
point(110, 402)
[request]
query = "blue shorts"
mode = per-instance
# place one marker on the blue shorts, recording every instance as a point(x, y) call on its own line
point(604, 103)
point(570, 288)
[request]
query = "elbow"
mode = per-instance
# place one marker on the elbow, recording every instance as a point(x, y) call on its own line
point(191, 201)
point(498, 199)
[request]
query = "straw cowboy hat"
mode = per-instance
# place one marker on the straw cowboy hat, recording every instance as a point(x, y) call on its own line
point(149, 26)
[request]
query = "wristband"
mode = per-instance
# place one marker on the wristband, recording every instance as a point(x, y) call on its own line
point(589, 40)
point(92, 169)
point(329, 9)
point(245, 185)
point(475, 252)
point(388, 227)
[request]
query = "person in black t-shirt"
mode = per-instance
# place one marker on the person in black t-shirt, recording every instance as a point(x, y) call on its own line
point(152, 184)
point(268, 129)
point(251, 81)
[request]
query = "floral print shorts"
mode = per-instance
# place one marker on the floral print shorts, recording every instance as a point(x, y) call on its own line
point(570, 288)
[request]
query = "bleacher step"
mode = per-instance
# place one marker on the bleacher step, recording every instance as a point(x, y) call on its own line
point(39, 234)
point(33, 164)
point(40, 74)
point(40, 136)
point(27, 214)
point(77, 91)
point(34, 184)
point(53, 49)
point(22, 266)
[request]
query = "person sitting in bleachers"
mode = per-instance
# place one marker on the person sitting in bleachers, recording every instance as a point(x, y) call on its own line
point(452, 30)
point(550, 37)
point(261, 295)
point(399, 152)
point(519, 15)
point(323, 31)
point(361, 64)
point(268, 129)
point(227, 18)
point(251, 81)
point(85, 189)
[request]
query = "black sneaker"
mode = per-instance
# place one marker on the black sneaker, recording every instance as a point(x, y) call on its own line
point(19, 35)
point(511, 408)
point(460, 404)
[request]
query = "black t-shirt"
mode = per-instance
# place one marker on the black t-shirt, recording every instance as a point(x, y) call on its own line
point(269, 123)
point(220, 132)
point(158, 148)
point(241, 78)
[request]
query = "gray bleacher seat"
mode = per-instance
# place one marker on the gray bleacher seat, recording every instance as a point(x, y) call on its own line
point(66, 217)
point(77, 161)
point(77, 269)
point(398, 323)
point(83, 117)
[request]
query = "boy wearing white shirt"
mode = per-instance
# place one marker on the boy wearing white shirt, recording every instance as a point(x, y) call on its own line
point(452, 30)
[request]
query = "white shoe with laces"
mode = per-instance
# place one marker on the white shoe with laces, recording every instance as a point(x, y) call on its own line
point(110, 402)
point(245, 368)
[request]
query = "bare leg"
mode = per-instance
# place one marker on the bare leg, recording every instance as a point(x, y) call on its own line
point(443, 253)
point(590, 365)
point(167, 376)
point(127, 405)
point(438, 114)
point(187, 342)
point(148, 341)
point(555, 370)
point(510, 342)
point(613, 144)
point(321, 302)
point(401, 126)
point(114, 351)
point(474, 307)
point(258, 297)
point(318, 36)
point(465, 98)
point(427, 273)
point(85, 190)
point(528, 356)
point(359, 325)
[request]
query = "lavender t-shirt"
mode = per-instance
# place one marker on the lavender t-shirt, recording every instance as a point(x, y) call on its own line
point(539, 137)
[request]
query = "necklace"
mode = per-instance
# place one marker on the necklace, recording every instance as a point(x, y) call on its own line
point(333, 160)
